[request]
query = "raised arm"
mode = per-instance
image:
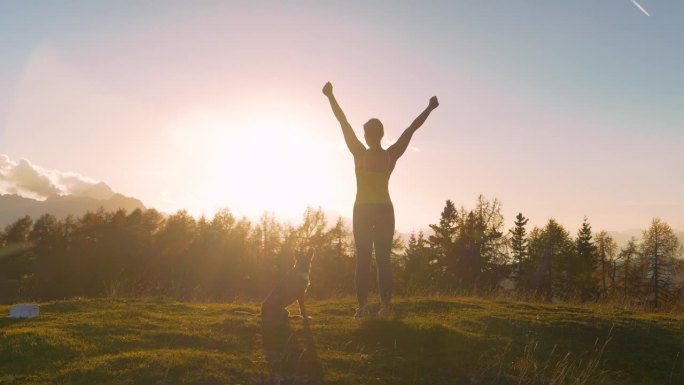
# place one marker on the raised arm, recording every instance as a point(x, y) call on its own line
point(399, 147)
point(353, 143)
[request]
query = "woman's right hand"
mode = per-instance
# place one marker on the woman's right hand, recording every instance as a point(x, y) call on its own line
point(433, 103)
point(327, 89)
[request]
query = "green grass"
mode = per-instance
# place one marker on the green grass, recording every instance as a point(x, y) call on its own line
point(430, 341)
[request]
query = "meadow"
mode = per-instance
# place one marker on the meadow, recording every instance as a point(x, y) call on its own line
point(430, 340)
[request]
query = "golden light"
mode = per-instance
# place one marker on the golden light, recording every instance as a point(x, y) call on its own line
point(275, 161)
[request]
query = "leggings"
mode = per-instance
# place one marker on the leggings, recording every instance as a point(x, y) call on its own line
point(373, 226)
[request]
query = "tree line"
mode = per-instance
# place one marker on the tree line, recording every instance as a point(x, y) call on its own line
point(468, 251)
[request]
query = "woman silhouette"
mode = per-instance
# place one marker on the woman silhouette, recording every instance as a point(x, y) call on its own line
point(373, 220)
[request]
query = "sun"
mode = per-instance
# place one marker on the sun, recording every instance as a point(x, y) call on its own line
point(275, 162)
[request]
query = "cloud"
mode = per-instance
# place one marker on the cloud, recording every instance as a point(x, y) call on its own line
point(5, 163)
point(29, 180)
point(26, 177)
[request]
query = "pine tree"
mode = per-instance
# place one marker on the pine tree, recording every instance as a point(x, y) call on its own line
point(552, 254)
point(469, 245)
point(519, 247)
point(583, 270)
point(416, 260)
point(442, 243)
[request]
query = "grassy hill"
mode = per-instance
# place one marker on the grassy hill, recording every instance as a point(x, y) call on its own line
point(430, 341)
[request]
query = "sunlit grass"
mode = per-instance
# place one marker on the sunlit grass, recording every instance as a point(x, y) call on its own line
point(445, 340)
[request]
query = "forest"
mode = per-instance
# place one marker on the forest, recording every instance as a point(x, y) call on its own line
point(467, 251)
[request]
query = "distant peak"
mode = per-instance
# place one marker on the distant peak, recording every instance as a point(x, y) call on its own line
point(99, 191)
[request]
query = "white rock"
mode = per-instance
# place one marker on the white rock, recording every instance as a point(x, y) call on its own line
point(24, 310)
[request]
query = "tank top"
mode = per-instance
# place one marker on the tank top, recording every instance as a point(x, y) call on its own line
point(372, 187)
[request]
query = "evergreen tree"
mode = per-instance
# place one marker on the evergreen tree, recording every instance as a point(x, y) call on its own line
point(417, 268)
point(552, 254)
point(518, 243)
point(469, 246)
point(583, 270)
point(442, 244)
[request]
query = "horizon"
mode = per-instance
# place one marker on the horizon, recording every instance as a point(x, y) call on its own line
point(557, 110)
point(332, 216)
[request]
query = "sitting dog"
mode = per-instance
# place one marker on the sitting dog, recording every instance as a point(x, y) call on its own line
point(292, 287)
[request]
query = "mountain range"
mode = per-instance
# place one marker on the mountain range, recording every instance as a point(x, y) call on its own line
point(13, 207)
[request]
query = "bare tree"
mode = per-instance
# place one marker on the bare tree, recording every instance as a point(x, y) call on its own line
point(606, 249)
point(661, 248)
point(630, 272)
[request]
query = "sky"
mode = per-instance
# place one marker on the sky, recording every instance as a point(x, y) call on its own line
point(556, 108)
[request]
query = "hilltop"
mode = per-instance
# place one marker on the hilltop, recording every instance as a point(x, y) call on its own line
point(431, 341)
